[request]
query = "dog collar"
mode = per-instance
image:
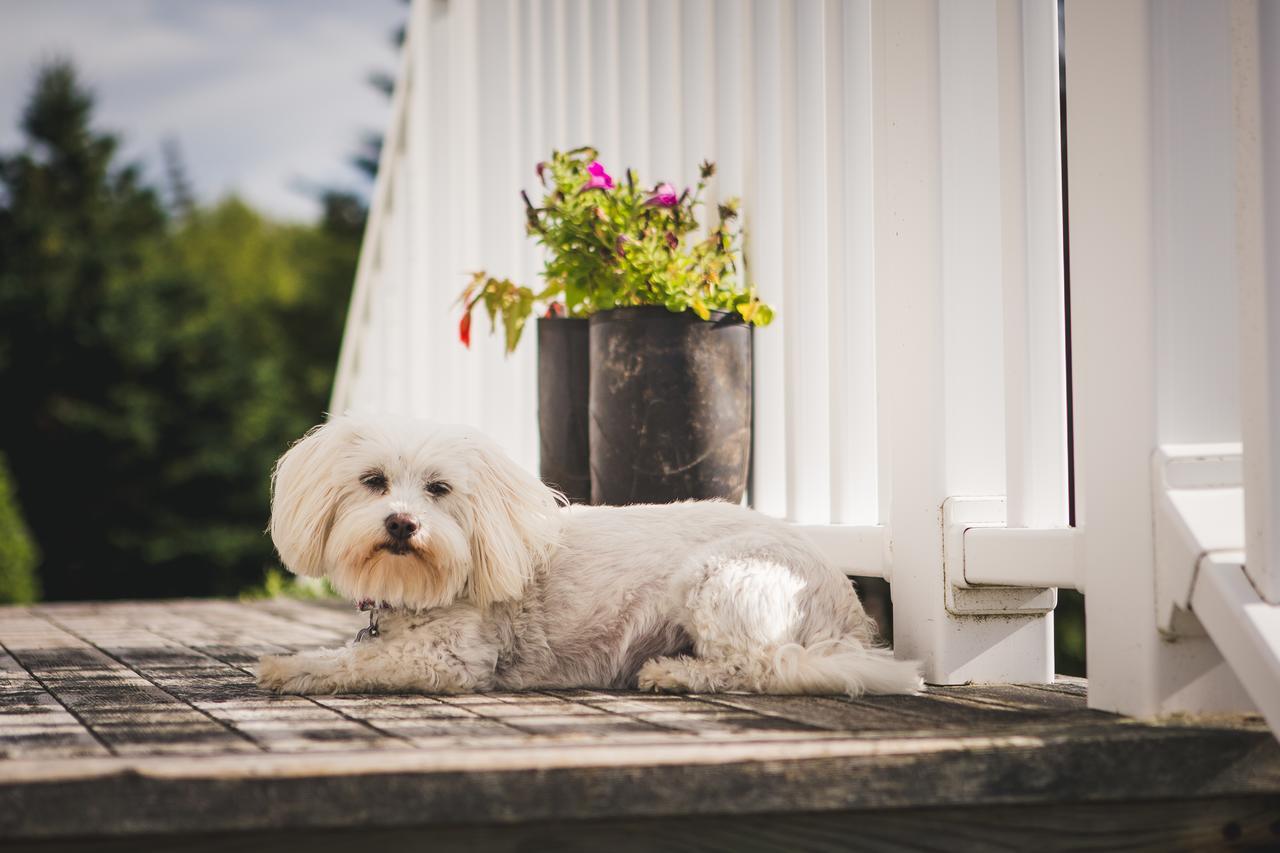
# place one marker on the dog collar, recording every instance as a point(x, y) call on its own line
point(375, 609)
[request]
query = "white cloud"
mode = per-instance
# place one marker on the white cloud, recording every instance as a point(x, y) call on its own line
point(261, 96)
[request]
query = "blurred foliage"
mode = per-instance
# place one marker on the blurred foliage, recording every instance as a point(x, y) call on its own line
point(1068, 633)
point(277, 583)
point(18, 554)
point(153, 366)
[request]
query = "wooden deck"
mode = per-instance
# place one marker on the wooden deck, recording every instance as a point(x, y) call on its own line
point(130, 723)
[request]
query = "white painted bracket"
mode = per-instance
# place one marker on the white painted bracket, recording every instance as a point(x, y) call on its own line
point(960, 516)
point(854, 549)
point(1244, 627)
point(1198, 503)
point(1023, 556)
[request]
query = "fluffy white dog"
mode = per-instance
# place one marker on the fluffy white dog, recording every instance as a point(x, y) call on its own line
point(481, 581)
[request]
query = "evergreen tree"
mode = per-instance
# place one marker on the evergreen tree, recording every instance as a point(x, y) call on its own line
point(73, 228)
point(154, 368)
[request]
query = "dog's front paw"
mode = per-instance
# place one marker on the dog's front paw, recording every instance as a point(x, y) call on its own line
point(663, 675)
point(284, 674)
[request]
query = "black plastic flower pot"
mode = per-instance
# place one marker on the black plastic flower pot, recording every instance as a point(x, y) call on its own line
point(563, 381)
point(670, 406)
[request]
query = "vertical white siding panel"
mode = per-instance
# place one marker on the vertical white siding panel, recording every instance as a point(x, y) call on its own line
point(855, 489)
point(579, 56)
point(498, 205)
point(1031, 266)
point(766, 221)
point(369, 396)
point(603, 78)
point(533, 136)
point(464, 164)
point(808, 263)
point(554, 81)
point(633, 88)
point(395, 289)
point(420, 308)
point(1013, 270)
point(730, 103)
point(1044, 483)
point(664, 118)
point(441, 324)
point(698, 93)
point(383, 296)
point(522, 391)
point(972, 297)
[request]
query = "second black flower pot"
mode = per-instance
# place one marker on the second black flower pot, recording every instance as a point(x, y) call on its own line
point(670, 409)
point(563, 377)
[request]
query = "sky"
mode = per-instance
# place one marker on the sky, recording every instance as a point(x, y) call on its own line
point(264, 97)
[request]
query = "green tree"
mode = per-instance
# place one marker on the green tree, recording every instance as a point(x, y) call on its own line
point(18, 553)
point(73, 226)
point(155, 367)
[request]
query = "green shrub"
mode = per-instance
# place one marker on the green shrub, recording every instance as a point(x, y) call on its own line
point(18, 552)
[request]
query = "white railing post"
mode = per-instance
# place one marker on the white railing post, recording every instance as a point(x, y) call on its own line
point(937, 186)
point(1255, 37)
point(1152, 276)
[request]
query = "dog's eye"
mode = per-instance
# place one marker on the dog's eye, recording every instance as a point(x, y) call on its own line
point(438, 489)
point(374, 481)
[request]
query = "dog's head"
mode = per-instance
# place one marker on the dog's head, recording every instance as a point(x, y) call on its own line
point(411, 513)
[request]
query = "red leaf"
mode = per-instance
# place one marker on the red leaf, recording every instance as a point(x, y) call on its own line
point(464, 330)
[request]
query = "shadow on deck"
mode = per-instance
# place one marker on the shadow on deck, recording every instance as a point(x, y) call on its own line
point(129, 726)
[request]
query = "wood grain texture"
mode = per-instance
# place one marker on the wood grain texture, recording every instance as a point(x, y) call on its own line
point(141, 720)
point(1246, 823)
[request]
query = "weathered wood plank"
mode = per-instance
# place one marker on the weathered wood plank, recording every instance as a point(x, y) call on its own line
point(832, 714)
point(478, 785)
point(338, 621)
point(1226, 824)
point(33, 724)
point(223, 692)
point(1019, 697)
point(122, 709)
point(551, 757)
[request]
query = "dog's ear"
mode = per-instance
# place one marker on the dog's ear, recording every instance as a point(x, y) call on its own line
point(516, 522)
point(304, 496)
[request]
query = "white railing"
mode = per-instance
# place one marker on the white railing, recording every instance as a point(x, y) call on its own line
point(899, 163)
point(1174, 141)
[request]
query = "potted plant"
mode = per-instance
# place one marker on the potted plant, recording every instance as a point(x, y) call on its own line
point(668, 341)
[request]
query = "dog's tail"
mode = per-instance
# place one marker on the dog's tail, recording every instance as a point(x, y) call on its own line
point(844, 665)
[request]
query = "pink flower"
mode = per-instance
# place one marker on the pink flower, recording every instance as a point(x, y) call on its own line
point(664, 195)
point(600, 179)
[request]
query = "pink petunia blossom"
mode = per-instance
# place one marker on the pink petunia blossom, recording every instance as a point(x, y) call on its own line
point(664, 195)
point(600, 179)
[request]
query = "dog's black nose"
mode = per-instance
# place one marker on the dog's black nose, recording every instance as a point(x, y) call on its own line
point(400, 525)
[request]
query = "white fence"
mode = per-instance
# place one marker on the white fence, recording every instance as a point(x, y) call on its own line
point(899, 163)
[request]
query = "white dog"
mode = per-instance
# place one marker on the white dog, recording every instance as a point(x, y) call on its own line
point(481, 581)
